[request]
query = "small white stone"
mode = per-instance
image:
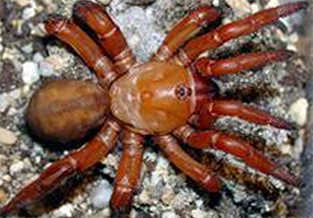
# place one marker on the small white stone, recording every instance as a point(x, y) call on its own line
point(46, 69)
point(101, 195)
point(65, 210)
point(197, 213)
point(144, 197)
point(298, 111)
point(30, 72)
point(169, 214)
point(7, 137)
point(240, 7)
point(16, 167)
point(28, 48)
point(38, 57)
point(168, 195)
point(4, 102)
point(23, 3)
point(29, 12)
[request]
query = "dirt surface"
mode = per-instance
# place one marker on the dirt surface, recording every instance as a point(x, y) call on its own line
point(29, 58)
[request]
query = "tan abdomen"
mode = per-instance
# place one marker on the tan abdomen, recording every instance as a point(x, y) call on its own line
point(155, 97)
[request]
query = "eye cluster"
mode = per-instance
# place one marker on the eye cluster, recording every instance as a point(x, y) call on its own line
point(182, 92)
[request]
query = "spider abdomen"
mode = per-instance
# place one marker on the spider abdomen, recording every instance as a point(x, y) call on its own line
point(155, 98)
point(66, 110)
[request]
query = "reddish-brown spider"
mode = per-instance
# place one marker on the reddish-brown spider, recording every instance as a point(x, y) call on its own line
point(170, 98)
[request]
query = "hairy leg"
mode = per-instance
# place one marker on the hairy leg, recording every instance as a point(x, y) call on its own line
point(108, 33)
point(211, 109)
point(128, 173)
point(58, 172)
point(196, 171)
point(207, 67)
point(238, 148)
point(184, 30)
point(235, 29)
point(67, 31)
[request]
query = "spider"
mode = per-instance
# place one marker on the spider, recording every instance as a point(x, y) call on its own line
point(172, 99)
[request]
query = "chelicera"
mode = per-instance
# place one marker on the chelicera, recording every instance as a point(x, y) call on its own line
point(172, 98)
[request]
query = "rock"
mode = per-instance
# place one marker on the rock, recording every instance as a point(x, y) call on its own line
point(144, 197)
point(16, 167)
point(3, 196)
point(169, 214)
point(46, 69)
point(240, 7)
point(197, 213)
point(168, 195)
point(65, 210)
point(101, 195)
point(29, 12)
point(4, 102)
point(7, 137)
point(298, 111)
point(30, 72)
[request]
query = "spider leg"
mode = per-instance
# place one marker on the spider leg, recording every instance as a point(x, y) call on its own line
point(128, 173)
point(184, 30)
point(67, 31)
point(198, 172)
point(238, 148)
point(233, 30)
point(108, 33)
point(58, 172)
point(211, 109)
point(207, 67)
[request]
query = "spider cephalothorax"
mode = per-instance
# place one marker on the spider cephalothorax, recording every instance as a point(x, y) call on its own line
point(170, 98)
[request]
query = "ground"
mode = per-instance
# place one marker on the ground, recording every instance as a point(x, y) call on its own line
point(29, 59)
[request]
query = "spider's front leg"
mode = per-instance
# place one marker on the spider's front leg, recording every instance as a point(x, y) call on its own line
point(238, 148)
point(233, 30)
point(58, 172)
point(208, 68)
point(183, 31)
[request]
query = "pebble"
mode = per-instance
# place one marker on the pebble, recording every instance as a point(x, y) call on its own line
point(168, 195)
point(169, 214)
point(65, 210)
point(298, 111)
point(197, 213)
point(23, 3)
point(3, 196)
point(29, 12)
point(4, 102)
point(7, 137)
point(16, 167)
point(101, 195)
point(46, 69)
point(144, 197)
point(30, 72)
point(240, 7)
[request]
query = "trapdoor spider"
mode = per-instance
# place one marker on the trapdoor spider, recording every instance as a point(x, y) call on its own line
point(170, 98)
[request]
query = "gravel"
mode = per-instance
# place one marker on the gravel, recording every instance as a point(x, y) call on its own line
point(29, 59)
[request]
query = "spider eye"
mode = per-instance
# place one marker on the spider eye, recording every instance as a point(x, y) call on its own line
point(182, 92)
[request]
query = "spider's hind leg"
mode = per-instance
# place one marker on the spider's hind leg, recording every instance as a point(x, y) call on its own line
point(58, 172)
point(238, 148)
point(128, 173)
point(209, 110)
point(190, 167)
